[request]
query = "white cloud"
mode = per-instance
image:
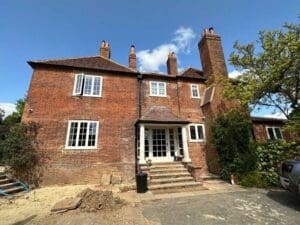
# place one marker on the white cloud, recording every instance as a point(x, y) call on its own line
point(8, 108)
point(277, 115)
point(183, 37)
point(236, 73)
point(152, 60)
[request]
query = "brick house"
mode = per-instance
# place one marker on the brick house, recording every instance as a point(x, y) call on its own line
point(99, 118)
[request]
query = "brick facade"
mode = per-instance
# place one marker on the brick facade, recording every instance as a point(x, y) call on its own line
point(124, 104)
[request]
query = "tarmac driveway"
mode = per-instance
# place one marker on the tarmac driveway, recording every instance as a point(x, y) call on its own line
point(241, 208)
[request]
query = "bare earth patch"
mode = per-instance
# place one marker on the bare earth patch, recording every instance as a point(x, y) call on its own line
point(35, 207)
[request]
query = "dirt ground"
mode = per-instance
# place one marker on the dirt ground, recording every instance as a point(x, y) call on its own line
point(34, 208)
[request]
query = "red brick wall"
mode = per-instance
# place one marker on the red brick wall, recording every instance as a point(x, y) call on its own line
point(50, 98)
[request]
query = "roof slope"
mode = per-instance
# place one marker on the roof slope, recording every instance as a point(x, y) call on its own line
point(91, 62)
point(161, 114)
point(192, 72)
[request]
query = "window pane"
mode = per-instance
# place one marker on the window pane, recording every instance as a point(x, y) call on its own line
point(278, 133)
point(153, 88)
point(195, 91)
point(193, 132)
point(271, 133)
point(78, 88)
point(87, 85)
point(72, 134)
point(97, 83)
point(82, 134)
point(92, 134)
point(161, 88)
point(200, 132)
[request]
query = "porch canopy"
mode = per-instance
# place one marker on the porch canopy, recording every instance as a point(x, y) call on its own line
point(162, 136)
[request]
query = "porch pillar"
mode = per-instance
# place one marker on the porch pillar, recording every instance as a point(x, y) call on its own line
point(142, 144)
point(186, 156)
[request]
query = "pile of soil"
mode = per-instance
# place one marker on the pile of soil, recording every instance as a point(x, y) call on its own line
point(93, 201)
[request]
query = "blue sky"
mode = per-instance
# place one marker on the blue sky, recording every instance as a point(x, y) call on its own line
point(34, 29)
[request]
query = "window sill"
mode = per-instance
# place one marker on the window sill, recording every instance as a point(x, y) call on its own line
point(197, 141)
point(93, 96)
point(163, 96)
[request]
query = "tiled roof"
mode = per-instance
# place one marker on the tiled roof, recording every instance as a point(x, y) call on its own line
point(267, 119)
point(161, 114)
point(208, 95)
point(192, 73)
point(91, 62)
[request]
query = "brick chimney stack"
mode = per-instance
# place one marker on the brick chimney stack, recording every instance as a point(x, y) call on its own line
point(105, 49)
point(132, 58)
point(212, 55)
point(172, 64)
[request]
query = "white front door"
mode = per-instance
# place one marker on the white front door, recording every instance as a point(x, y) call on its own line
point(162, 144)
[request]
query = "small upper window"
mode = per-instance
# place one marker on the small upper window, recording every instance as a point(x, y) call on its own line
point(158, 89)
point(274, 133)
point(87, 85)
point(196, 132)
point(195, 91)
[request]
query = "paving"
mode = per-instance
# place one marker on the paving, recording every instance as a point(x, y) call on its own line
point(242, 207)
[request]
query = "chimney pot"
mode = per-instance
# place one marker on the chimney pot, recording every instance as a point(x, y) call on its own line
point(132, 58)
point(105, 49)
point(172, 64)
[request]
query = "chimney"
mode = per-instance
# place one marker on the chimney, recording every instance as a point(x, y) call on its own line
point(105, 49)
point(132, 58)
point(212, 55)
point(172, 64)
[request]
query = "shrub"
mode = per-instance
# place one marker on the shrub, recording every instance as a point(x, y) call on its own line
point(231, 138)
point(19, 151)
point(271, 154)
point(252, 179)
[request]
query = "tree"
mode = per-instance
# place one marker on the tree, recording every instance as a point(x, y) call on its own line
point(1, 115)
point(16, 117)
point(271, 74)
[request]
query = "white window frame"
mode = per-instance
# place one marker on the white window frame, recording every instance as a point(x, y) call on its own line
point(77, 135)
point(198, 93)
point(275, 135)
point(157, 85)
point(83, 85)
point(196, 130)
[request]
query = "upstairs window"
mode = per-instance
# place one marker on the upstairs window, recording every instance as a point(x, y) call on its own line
point(274, 133)
point(88, 85)
point(158, 89)
point(195, 91)
point(196, 132)
point(82, 134)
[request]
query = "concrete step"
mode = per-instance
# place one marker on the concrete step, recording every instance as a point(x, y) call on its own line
point(210, 177)
point(167, 170)
point(170, 175)
point(176, 190)
point(174, 185)
point(5, 181)
point(2, 176)
point(171, 180)
point(14, 190)
point(8, 185)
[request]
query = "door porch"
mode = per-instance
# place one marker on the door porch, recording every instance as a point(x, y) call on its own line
point(162, 143)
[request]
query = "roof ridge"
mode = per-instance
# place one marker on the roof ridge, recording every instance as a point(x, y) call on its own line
point(118, 63)
point(58, 59)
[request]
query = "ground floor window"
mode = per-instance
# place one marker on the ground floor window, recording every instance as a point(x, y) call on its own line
point(196, 132)
point(274, 133)
point(82, 134)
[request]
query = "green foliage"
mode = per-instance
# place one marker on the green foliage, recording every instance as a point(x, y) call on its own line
point(15, 117)
point(1, 115)
point(19, 151)
point(293, 124)
point(271, 75)
point(252, 179)
point(231, 138)
point(270, 156)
